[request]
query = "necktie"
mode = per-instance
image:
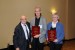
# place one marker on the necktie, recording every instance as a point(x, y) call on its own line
point(26, 30)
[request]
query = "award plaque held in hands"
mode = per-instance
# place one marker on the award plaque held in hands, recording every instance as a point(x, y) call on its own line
point(35, 30)
point(51, 35)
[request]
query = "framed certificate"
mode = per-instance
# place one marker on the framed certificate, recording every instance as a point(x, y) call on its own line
point(35, 30)
point(51, 35)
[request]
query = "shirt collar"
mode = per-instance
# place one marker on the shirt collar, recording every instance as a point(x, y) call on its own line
point(37, 18)
point(55, 23)
point(23, 24)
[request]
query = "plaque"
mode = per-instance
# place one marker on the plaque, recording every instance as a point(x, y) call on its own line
point(35, 30)
point(51, 35)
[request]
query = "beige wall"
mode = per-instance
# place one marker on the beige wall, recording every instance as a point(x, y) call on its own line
point(71, 18)
point(11, 10)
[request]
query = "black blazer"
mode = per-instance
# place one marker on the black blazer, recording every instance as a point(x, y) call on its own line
point(19, 36)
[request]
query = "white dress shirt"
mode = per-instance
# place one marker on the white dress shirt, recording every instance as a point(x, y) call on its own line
point(54, 24)
point(24, 26)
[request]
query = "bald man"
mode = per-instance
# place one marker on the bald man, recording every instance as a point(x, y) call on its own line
point(22, 34)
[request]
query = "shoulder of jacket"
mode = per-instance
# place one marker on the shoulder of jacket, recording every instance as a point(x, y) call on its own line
point(60, 23)
point(43, 18)
point(49, 23)
point(17, 26)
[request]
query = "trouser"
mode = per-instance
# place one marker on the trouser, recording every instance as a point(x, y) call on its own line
point(54, 46)
point(25, 46)
point(36, 45)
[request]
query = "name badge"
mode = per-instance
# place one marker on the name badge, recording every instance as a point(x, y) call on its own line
point(40, 26)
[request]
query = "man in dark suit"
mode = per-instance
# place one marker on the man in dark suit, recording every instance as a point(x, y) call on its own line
point(21, 38)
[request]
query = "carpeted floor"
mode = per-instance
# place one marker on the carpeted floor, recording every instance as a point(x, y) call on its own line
point(68, 45)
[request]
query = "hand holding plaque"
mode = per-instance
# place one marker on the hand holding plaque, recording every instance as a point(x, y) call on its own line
point(51, 35)
point(35, 30)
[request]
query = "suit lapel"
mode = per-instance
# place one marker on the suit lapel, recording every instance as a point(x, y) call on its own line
point(34, 21)
point(39, 21)
point(21, 30)
point(50, 26)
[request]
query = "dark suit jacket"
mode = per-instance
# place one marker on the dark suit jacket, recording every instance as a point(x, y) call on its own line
point(19, 39)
